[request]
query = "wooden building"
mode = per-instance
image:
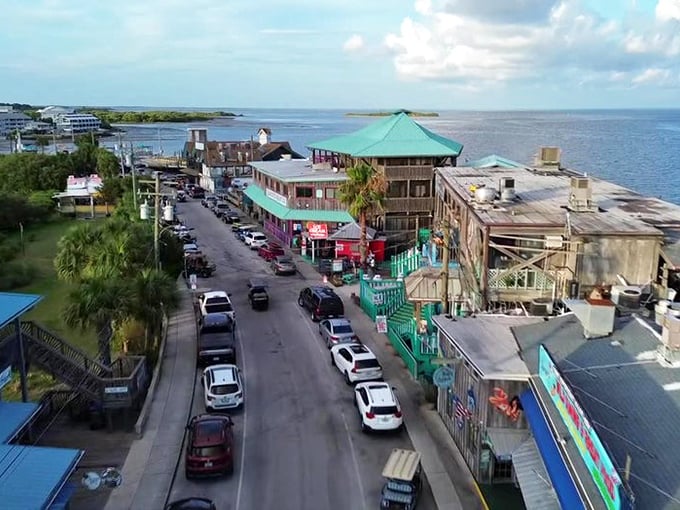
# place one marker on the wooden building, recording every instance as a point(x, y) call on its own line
point(535, 234)
point(407, 154)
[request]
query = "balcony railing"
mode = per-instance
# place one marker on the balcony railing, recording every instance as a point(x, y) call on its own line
point(524, 279)
point(409, 204)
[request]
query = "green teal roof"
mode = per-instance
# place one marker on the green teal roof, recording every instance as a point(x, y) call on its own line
point(257, 195)
point(493, 161)
point(395, 136)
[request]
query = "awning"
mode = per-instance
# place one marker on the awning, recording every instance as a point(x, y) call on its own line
point(564, 485)
point(504, 442)
point(14, 417)
point(257, 195)
point(534, 482)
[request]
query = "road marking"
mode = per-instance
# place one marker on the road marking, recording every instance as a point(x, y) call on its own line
point(245, 423)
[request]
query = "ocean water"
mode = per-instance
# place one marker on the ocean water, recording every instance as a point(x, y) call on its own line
point(639, 149)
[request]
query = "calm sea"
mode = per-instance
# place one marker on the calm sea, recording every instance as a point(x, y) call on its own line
point(639, 149)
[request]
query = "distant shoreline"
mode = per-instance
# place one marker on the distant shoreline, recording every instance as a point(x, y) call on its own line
point(109, 117)
point(387, 114)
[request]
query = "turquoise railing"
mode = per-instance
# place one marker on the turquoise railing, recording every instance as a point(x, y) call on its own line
point(381, 297)
point(396, 333)
point(405, 263)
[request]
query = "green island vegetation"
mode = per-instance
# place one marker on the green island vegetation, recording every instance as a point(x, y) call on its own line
point(109, 117)
point(387, 114)
point(94, 275)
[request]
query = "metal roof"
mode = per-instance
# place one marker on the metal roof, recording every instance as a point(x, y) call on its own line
point(488, 343)
point(534, 482)
point(13, 417)
point(493, 161)
point(401, 465)
point(297, 170)
point(504, 442)
point(542, 197)
point(397, 135)
point(632, 400)
point(257, 195)
point(31, 476)
point(14, 305)
point(352, 231)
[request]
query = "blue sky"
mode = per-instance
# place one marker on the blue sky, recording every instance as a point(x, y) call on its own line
point(418, 54)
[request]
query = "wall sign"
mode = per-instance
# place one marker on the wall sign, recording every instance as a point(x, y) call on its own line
point(381, 323)
point(444, 377)
point(590, 447)
point(510, 407)
point(279, 199)
point(317, 230)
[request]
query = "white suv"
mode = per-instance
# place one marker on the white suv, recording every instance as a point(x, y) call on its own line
point(256, 240)
point(356, 362)
point(222, 387)
point(378, 406)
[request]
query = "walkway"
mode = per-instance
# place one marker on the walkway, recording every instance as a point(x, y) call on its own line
point(150, 465)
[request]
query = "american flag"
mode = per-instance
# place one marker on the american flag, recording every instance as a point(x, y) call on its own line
point(461, 411)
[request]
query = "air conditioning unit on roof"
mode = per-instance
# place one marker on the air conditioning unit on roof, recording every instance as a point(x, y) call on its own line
point(549, 156)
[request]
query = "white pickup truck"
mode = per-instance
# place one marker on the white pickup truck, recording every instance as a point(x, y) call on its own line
point(216, 301)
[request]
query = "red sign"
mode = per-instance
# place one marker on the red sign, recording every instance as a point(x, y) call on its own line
point(317, 230)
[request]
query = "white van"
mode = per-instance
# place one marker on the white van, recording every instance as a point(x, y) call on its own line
point(241, 182)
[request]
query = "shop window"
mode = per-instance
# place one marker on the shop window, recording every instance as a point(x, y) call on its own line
point(397, 189)
point(330, 192)
point(304, 192)
point(277, 186)
point(419, 189)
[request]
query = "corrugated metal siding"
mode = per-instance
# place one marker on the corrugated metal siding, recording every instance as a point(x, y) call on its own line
point(534, 482)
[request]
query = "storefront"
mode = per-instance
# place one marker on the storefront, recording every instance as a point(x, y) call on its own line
point(347, 243)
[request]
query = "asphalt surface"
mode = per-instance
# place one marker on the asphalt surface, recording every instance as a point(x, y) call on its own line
point(298, 441)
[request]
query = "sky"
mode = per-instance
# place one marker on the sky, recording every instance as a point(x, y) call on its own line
point(362, 54)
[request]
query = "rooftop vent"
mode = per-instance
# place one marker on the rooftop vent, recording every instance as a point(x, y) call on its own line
point(626, 296)
point(507, 187)
point(670, 340)
point(549, 157)
point(581, 195)
point(596, 315)
point(485, 195)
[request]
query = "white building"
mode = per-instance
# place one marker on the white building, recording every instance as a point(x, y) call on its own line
point(77, 122)
point(11, 120)
point(52, 112)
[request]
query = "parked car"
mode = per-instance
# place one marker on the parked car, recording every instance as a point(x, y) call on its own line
point(222, 387)
point(210, 446)
point(378, 406)
point(190, 248)
point(255, 239)
point(283, 265)
point(356, 362)
point(243, 231)
point(209, 201)
point(403, 483)
point(269, 251)
point(231, 216)
point(220, 208)
point(216, 342)
point(191, 504)
point(321, 302)
point(257, 294)
point(337, 331)
point(197, 192)
point(216, 301)
point(181, 196)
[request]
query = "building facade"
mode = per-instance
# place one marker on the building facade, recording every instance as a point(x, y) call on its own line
point(406, 154)
point(77, 122)
point(539, 233)
point(12, 121)
point(295, 199)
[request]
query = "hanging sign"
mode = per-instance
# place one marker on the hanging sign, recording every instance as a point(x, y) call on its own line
point(444, 377)
point(381, 323)
point(317, 230)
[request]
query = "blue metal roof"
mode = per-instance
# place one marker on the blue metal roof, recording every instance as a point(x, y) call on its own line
point(13, 416)
point(13, 305)
point(31, 477)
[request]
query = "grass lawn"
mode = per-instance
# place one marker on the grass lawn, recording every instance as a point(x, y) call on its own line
point(40, 245)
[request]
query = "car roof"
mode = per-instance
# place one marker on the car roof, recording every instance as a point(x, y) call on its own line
point(401, 465)
point(323, 291)
point(216, 318)
point(191, 504)
point(338, 322)
point(223, 374)
point(209, 430)
point(379, 393)
point(359, 351)
point(215, 294)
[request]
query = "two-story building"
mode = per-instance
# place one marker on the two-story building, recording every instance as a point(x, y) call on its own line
point(536, 233)
point(12, 120)
point(219, 162)
point(294, 198)
point(407, 154)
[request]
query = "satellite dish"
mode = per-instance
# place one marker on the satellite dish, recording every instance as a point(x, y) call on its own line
point(91, 481)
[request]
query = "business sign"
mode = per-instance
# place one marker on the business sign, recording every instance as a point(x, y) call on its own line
point(590, 447)
point(381, 323)
point(5, 376)
point(317, 230)
point(279, 199)
point(444, 377)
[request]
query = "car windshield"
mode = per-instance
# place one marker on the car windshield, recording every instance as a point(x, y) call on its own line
point(367, 363)
point(224, 389)
point(284, 260)
point(208, 451)
point(384, 410)
point(342, 328)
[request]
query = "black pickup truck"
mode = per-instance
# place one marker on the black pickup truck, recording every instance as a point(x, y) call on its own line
point(216, 339)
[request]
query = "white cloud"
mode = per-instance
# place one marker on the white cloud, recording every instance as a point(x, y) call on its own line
point(668, 10)
point(652, 75)
point(423, 7)
point(354, 43)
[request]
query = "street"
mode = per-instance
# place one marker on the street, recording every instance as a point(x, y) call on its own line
point(298, 441)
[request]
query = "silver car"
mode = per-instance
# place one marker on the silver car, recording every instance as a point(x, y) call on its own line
point(283, 264)
point(337, 331)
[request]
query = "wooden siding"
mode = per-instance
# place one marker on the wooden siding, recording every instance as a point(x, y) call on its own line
point(409, 204)
point(409, 172)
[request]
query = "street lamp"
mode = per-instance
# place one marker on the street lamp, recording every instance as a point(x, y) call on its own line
point(168, 215)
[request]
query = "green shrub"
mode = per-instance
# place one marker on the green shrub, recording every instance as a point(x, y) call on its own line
point(16, 274)
point(9, 250)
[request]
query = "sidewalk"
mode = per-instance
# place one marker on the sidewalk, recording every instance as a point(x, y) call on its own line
point(452, 484)
point(150, 465)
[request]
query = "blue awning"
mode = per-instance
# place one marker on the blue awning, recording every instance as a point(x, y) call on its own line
point(13, 417)
point(33, 476)
point(561, 479)
point(13, 305)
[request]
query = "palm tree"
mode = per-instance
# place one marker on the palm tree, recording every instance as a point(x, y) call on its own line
point(42, 141)
point(363, 194)
point(74, 250)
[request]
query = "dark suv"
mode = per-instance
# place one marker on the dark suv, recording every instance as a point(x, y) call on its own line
point(321, 302)
point(216, 342)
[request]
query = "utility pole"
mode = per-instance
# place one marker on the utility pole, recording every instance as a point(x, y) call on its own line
point(157, 221)
point(134, 176)
point(446, 227)
point(417, 230)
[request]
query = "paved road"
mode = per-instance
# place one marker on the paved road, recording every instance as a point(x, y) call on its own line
point(298, 441)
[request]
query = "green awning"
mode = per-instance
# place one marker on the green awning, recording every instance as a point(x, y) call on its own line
point(257, 195)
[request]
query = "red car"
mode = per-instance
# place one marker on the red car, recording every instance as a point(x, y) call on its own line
point(270, 251)
point(210, 446)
